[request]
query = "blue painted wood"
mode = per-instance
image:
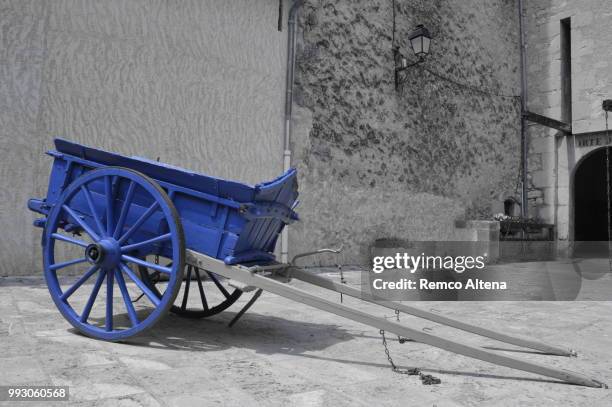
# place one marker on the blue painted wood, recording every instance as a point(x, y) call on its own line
point(228, 220)
point(97, 202)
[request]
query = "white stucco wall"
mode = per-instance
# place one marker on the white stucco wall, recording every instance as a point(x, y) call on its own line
point(198, 83)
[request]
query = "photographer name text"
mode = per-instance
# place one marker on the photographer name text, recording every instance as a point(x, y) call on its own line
point(424, 284)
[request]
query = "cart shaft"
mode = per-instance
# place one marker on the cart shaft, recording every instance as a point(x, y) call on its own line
point(323, 282)
point(246, 276)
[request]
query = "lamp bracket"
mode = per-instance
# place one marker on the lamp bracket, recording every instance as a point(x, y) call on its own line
point(399, 78)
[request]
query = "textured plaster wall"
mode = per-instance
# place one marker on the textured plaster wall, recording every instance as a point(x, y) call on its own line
point(199, 84)
point(553, 160)
point(375, 163)
point(22, 59)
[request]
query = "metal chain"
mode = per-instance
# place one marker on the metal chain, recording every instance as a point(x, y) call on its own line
point(399, 338)
point(397, 318)
point(425, 378)
point(410, 372)
point(608, 192)
point(342, 280)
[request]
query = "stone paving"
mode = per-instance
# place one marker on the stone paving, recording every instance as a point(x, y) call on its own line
point(286, 354)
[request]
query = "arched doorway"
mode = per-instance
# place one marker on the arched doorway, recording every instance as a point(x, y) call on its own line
point(591, 205)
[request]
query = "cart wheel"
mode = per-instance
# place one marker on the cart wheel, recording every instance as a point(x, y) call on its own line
point(117, 217)
point(214, 296)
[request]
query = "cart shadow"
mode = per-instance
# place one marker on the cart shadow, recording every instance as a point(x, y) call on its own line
point(262, 333)
point(267, 334)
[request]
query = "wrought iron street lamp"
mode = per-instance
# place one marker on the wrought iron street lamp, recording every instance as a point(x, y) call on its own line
point(420, 40)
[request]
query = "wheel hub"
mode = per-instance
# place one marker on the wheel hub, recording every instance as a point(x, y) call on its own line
point(105, 253)
point(94, 253)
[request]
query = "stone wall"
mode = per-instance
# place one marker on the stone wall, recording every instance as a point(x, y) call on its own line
point(554, 159)
point(376, 163)
point(199, 84)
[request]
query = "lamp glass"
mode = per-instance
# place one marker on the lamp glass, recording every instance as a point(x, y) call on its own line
point(417, 45)
point(420, 39)
point(426, 41)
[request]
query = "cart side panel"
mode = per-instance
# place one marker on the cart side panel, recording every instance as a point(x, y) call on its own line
point(161, 172)
point(223, 219)
point(66, 169)
point(210, 228)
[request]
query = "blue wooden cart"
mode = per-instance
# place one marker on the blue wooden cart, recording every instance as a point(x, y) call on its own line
point(148, 229)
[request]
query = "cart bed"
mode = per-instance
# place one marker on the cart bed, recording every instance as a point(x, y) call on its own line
point(228, 220)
